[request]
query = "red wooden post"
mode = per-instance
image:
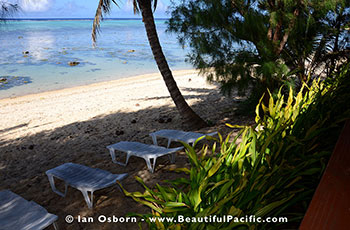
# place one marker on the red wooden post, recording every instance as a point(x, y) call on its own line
point(330, 205)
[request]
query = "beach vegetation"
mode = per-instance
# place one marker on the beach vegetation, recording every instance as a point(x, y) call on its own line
point(270, 169)
point(256, 46)
point(146, 8)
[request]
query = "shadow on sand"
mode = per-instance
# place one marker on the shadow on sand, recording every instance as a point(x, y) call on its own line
point(23, 161)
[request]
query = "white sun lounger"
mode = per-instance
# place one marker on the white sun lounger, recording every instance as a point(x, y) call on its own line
point(177, 135)
point(83, 178)
point(16, 213)
point(147, 152)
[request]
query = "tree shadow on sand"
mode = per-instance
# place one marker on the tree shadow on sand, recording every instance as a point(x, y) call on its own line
point(23, 161)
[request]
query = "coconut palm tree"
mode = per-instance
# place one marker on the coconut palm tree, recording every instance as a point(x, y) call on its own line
point(145, 7)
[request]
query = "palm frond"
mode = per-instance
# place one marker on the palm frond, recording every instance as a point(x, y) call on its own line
point(136, 7)
point(155, 2)
point(7, 9)
point(104, 7)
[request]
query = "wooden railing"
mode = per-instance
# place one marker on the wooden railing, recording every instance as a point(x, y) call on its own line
point(330, 205)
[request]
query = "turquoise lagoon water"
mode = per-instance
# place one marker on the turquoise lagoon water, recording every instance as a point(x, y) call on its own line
point(35, 54)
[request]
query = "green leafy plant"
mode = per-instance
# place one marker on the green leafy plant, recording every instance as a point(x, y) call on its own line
point(262, 44)
point(269, 169)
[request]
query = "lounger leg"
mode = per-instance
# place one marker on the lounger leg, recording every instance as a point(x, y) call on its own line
point(128, 155)
point(53, 187)
point(149, 165)
point(88, 200)
point(169, 142)
point(172, 158)
point(154, 139)
point(112, 153)
point(55, 226)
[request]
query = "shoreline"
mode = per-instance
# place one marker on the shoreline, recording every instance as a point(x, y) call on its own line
point(143, 97)
point(126, 80)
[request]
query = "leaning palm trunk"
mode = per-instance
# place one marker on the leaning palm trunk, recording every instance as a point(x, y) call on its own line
point(145, 6)
point(189, 116)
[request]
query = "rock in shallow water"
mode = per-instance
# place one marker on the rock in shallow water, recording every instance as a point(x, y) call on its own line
point(73, 63)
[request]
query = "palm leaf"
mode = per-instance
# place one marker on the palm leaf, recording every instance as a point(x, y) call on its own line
point(104, 7)
point(7, 9)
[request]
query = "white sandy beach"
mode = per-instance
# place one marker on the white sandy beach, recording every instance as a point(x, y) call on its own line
point(28, 115)
point(42, 131)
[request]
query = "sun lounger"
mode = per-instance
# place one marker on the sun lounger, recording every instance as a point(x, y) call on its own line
point(177, 135)
point(83, 178)
point(16, 213)
point(147, 152)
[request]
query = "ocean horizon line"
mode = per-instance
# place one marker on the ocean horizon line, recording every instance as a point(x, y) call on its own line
point(72, 19)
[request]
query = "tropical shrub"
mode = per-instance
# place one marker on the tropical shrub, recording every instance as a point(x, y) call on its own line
point(262, 43)
point(272, 171)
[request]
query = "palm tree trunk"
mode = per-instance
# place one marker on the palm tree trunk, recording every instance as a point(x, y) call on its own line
point(189, 116)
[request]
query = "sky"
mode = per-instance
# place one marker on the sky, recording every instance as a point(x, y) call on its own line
point(79, 9)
